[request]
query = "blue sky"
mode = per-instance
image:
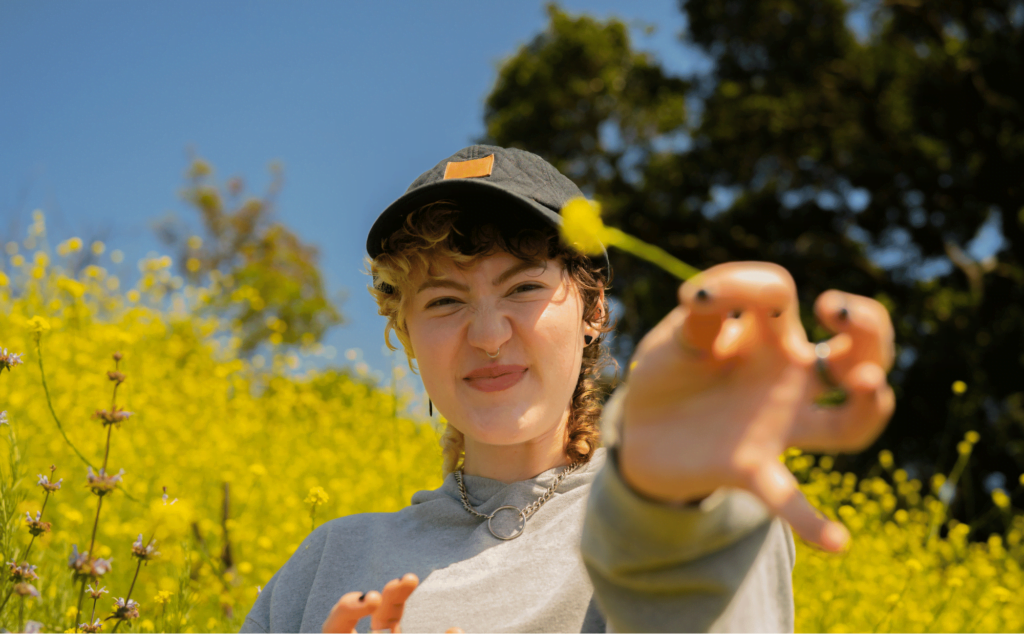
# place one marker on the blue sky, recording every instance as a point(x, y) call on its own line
point(101, 101)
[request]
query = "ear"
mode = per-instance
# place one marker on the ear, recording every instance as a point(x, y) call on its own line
point(589, 327)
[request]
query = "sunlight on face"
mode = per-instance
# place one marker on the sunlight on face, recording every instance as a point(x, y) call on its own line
point(533, 315)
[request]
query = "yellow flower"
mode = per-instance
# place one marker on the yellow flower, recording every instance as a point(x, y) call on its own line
point(1000, 499)
point(74, 244)
point(98, 247)
point(972, 437)
point(163, 597)
point(195, 242)
point(4, 280)
point(317, 496)
point(885, 458)
point(582, 226)
point(38, 326)
point(193, 265)
point(959, 387)
point(963, 447)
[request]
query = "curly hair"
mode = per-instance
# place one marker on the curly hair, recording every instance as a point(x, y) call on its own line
point(441, 230)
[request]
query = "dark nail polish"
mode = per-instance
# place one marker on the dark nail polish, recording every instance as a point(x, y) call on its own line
point(776, 312)
point(844, 314)
point(362, 597)
point(703, 295)
point(735, 314)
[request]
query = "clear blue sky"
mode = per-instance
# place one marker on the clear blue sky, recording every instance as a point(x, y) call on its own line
point(99, 102)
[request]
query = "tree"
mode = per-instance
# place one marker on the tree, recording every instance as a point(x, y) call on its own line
point(273, 290)
point(865, 162)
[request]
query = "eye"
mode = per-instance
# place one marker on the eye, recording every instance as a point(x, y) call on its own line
point(437, 302)
point(526, 287)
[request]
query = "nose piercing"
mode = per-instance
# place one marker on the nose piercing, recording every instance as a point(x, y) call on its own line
point(495, 355)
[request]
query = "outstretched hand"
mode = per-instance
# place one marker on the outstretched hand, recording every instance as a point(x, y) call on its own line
point(728, 380)
point(386, 607)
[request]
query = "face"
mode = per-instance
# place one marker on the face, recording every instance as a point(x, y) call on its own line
point(532, 315)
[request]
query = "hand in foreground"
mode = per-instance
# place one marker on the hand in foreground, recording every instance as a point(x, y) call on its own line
point(386, 607)
point(727, 381)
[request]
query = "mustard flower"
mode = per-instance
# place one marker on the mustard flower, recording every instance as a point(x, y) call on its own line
point(126, 610)
point(582, 226)
point(26, 590)
point(102, 484)
point(8, 360)
point(113, 417)
point(38, 325)
point(144, 553)
point(36, 526)
point(24, 572)
point(94, 592)
point(96, 626)
point(49, 486)
point(163, 597)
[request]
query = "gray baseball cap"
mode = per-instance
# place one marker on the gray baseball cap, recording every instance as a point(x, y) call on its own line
point(486, 179)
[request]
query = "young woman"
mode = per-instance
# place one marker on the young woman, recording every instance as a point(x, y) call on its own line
point(676, 519)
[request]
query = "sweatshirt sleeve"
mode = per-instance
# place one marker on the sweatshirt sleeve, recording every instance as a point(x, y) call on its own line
point(721, 565)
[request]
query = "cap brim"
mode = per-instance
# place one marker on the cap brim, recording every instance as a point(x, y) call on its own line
point(468, 194)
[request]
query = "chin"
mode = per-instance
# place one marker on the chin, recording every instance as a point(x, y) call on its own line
point(499, 425)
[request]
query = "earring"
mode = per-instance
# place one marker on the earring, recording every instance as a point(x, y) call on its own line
point(588, 339)
point(431, 407)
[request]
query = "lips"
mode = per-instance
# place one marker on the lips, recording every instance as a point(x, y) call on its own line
point(496, 377)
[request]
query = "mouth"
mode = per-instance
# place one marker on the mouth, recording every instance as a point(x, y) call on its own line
point(495, 379)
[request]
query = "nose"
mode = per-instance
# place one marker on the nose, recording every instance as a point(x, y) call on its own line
point(489, 329)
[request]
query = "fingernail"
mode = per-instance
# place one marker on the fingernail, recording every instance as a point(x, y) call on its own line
point(362, 597)
point(703, 295)
point(843, 314)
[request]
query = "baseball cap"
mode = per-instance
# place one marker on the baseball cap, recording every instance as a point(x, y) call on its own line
point(487, 179)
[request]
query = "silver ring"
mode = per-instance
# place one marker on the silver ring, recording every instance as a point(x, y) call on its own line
point(515, 534)
point(495, 355)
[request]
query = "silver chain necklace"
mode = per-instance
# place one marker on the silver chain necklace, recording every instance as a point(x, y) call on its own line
point(525, 513)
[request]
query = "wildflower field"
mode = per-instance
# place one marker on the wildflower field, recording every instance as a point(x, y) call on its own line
point(154, 479)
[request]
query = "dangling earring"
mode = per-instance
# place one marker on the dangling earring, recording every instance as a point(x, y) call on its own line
point(431, 405)
point(588, 339)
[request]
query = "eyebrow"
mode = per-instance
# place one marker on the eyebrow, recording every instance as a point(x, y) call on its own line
point(512, 270)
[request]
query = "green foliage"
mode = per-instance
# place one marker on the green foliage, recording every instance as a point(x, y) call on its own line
point(278, 276)
point(863, 162)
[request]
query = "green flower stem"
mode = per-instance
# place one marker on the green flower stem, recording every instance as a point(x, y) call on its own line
point(78, 610)
point(649, 252)
point(49, 402)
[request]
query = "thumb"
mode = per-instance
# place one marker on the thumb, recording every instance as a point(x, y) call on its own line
point(778, 489)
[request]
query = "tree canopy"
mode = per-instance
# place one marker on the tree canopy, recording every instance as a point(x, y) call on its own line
point(865, 160)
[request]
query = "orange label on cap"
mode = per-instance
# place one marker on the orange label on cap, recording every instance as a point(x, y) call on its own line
point(473, 168)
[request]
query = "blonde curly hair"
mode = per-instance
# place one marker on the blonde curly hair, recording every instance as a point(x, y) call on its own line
point(441, 230)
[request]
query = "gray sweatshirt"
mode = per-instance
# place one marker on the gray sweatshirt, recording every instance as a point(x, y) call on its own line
point(595, 557)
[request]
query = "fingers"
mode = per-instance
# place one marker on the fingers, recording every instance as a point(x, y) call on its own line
point(392, 604)
point(349, 609)
point(734, 307)
point(853, 427)
point(864, 331)
point(773, 483)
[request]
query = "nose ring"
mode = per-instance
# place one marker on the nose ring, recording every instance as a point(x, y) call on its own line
point(495, 355)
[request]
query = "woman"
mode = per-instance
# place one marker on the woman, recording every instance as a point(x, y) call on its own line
point(681, 522)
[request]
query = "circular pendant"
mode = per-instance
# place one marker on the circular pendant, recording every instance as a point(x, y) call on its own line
point(519, 530)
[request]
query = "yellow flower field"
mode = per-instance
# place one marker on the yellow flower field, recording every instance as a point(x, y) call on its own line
point(257, 453)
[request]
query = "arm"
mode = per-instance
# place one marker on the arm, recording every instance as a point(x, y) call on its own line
point(720, 564)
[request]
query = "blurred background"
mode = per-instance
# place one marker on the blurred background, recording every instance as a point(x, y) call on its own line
point(871, 146)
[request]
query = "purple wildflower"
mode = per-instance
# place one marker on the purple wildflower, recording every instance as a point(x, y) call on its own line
point(24, 572)
point(35, 526)
point(3, 418)
point(44, 482)
point(95, 627)
point(25, 589)
point(145, 553)
point(94, 592)
point(114, 417)
point(102, 484)
point(126, 609)
point(8, 360)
